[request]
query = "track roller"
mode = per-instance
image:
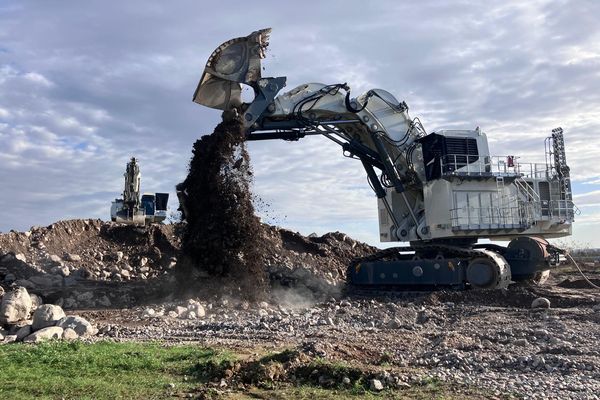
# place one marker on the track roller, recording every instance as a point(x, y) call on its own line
point(488, 271)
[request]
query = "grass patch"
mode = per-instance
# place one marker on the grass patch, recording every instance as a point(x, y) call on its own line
point(103, 370)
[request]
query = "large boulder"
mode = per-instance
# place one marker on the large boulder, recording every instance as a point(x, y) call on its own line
point(79, 325)
point(49, 333)
point(16, 306)
point(47, 315)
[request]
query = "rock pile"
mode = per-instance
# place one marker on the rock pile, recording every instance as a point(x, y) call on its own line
point(92, 264)
point(24, 318)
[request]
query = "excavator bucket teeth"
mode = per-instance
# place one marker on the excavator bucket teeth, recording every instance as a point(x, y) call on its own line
point(234, 62)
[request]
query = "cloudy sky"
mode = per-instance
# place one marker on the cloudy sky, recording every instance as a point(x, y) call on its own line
point(86, 85)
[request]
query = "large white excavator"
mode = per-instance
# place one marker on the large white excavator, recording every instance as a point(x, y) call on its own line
point(440, 191)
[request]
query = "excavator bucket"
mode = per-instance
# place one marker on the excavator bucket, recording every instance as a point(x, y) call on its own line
point(234, 62)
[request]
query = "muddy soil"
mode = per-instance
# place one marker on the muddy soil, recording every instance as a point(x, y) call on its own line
point(222, 235)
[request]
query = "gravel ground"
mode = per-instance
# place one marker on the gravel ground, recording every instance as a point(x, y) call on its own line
point(506, 350)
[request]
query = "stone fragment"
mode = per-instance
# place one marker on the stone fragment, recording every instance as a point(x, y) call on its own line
point(69, 334)
point(262, 312)
point(55, 260)
point(72, 257)
point(49, 333)
point(198, 309)
point(375, 385)
point(521, 342)
point(10, 338)
point(149, 312)
point(23, 332)
point(47, 315)
point(540, 302)
point(9, 278)
point(21, 257)
point(36, 301)
point(15, 306)
point(80, 325)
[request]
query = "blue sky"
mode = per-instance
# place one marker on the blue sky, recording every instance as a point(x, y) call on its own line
point(86, 85)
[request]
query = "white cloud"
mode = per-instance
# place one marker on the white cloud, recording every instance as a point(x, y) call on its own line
point(38, 79)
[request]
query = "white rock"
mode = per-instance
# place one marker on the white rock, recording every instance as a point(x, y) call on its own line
point(16, 306)
point(376, 385)
point(143, 261)
point(181, 311)
point(20, 257)
point(79, 325)
point(191, 315)
point(54, 259)
point(10, 338)
point(118, 256)
point(47, 315)
point(262, 312)
point(49, 333)
point(198, 309)
point(36, 301)
point(125, 273)
point(69, 334)
point(149, 312)
point(263, 304)
point(72, 257)
point(540, 302)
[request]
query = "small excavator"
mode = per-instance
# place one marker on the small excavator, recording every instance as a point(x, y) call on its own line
point(440, 191)
point(151, 208)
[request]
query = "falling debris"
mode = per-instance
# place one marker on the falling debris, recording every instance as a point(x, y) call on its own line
point(223, 236)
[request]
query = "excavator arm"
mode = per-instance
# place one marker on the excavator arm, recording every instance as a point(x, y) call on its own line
point(374, 128)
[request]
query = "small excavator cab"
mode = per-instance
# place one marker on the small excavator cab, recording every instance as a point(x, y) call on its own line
point(234, 62)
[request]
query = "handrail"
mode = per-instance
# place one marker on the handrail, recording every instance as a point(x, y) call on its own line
point(498, 165)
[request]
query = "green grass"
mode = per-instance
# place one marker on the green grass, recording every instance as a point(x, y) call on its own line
point(108, 370)
point(103, 370)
